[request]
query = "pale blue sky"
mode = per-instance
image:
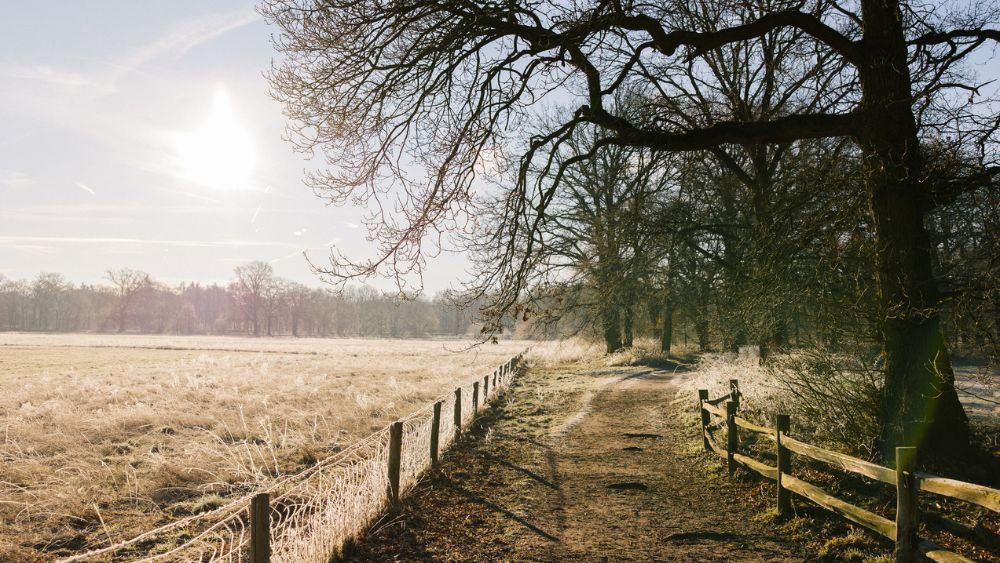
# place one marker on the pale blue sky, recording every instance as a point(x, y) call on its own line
point(109, 112)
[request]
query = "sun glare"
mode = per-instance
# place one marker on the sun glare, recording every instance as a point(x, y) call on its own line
point(218, 154)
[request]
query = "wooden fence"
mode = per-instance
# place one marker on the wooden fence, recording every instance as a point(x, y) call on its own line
point(260, 509)
point(908, 482)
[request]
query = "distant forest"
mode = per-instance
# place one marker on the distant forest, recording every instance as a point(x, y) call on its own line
point(256, 302)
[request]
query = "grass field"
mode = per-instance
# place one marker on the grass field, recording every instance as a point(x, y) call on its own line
point(106, 436)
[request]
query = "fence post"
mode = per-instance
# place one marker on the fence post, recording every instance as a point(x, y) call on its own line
point(906, 506)
point(260, 528)
point(494, 379)
point(475, 397)
point(702, 397)
point(458, 413)
point(395, 457)
point(435, 433)
point(486, 388)
point(732, 437)
point(782, 424)
point(734, 392)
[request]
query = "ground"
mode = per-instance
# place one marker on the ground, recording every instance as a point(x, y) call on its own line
point(588, 465)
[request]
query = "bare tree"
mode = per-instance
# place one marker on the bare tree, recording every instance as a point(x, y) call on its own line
point(594, 254)
point(126, 283)
point(253, 285)
point(297, 297)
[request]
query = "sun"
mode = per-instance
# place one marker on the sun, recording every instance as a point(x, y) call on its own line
point(219, 153)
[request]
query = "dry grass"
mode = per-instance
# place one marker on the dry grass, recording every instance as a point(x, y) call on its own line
point(590, 353)
point(106, 436)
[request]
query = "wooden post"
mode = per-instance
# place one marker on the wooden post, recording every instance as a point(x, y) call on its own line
point(395, 457)
point(906, 506)
point(782, 424)
point(702, 397)
point(260, 528)
point(734, 392)
point(732, 436)
point(494, 379)
point(486, 388)
point(475, 397)
point(458, 413)
point(435, 433)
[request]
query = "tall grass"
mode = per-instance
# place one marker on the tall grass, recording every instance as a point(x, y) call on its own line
point(101, 442)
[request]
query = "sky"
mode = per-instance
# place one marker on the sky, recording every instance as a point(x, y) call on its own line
point(140, 135)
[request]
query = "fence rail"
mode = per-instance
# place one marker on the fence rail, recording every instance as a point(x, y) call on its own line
point(314, 514)
point(908, 482)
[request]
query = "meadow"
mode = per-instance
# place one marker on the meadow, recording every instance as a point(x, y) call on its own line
point(105, 436)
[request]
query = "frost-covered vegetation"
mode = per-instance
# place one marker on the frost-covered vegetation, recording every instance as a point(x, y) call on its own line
point(109, 435)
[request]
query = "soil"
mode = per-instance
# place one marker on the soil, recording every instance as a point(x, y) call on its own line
point(582, 464)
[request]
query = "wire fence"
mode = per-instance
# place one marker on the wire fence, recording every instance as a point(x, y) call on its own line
point(313, 514)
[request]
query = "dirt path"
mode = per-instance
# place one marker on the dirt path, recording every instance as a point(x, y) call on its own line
point(586, 466)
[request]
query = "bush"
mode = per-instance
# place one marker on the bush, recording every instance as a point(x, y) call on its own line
point(835, 398)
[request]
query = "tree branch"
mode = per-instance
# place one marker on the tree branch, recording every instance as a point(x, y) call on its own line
point(781, 130)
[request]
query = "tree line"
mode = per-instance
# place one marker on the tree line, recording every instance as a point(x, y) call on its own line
point(256, 302)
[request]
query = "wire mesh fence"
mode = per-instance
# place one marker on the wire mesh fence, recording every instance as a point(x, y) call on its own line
point(315, 513)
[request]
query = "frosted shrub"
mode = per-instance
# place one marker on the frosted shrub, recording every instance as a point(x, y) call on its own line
point(833, 400)
point(833, 397)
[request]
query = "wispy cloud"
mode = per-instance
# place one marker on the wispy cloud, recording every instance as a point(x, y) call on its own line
point(173, 43)
point(187, 35)
point(137, 241)
point(49, 75)
point(86, 188)
point(12, 180)
point(298, 252)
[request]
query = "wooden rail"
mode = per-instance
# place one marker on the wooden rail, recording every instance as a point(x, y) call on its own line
point(908, 482)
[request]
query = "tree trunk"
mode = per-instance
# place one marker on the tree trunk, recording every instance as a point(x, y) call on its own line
point(763, 352)
point(668, 325)
point(627, 314)
point(920, 406)
point(612, 330)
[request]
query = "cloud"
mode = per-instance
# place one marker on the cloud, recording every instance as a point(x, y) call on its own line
point(187, 35)
point(174, 43)
point(12, 180)
point(49, 75)
point(287, 256)
point(86, 188)
point(152, 242)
